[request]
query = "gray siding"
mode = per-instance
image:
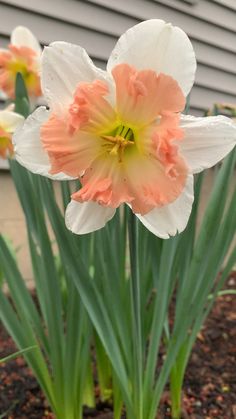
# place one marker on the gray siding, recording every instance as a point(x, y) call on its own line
point(96, 25)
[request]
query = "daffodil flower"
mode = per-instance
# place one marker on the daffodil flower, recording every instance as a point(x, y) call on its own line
point(22, 56)
point(121, 131)
point(9, 121)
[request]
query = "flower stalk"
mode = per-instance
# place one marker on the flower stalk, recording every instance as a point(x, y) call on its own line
point(176, 381)
point(136, 315)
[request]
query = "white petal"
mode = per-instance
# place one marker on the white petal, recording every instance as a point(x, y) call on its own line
point(10, 120)
point(159, 46)
point(65, 65)
point(23, 37)
point(10, 107)
point(87, 217)
point(171, 219)
point(28, 147)
point(207, 140)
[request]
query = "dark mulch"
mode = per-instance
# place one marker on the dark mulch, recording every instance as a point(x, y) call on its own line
point(210, 383)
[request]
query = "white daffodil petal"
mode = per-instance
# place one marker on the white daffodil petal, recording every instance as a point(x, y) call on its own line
point(10, 120)
point(206, 140)
point(171, 219)
point(10, 107)
point(23, 37)
point(65, 65)
point(28, 147)
point(87, 217)
point(158, 46)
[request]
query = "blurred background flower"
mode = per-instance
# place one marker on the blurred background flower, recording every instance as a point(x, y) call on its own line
point(9, 121)
point(22, 56)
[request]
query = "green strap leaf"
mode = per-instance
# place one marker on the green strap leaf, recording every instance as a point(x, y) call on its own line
point(22, 104)
point(17, 354)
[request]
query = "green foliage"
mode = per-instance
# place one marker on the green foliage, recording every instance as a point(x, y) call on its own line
point(16, 354)
point(128, 308)
point(61, 330)
point(22, 105)
point(130, 318)
point(13, 252)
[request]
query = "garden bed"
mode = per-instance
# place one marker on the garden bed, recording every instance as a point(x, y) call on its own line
point(210, 382)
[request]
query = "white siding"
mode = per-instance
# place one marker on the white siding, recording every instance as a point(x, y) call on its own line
point(96, 25)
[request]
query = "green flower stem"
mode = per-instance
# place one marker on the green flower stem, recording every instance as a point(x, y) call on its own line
point(177, 378)
point(88, 393)
point(103, 370)
point(175, 392)
point(136, 317)
point(117, 399)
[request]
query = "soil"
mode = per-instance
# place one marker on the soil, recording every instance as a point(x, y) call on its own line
point(210, 383)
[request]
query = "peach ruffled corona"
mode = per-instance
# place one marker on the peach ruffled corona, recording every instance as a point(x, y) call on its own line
point(141, 129)
point(121, 132)
point(22, 56)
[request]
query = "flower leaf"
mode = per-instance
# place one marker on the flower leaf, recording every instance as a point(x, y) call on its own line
point(22, 105)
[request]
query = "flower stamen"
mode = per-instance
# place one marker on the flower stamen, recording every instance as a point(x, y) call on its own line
point(120, 143)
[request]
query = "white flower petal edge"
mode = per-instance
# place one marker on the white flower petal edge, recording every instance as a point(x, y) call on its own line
point(171, 219)
point(206, 140)
point(64, 65)
point(10, 120)
point(87, 217)
point(10, 107)
point(158, 46)
point(23, 37)
point(28, 147)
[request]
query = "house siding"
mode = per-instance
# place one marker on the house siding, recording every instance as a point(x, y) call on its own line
point(96, 25)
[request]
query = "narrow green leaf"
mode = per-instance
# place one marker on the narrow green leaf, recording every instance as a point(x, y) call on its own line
point(22, 105)
point(17, 354)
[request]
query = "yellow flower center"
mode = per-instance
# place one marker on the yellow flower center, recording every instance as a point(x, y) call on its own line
point(117, 141)
point(29, 77)
point(6, 147)
point(4, 142)
point(18, 67)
